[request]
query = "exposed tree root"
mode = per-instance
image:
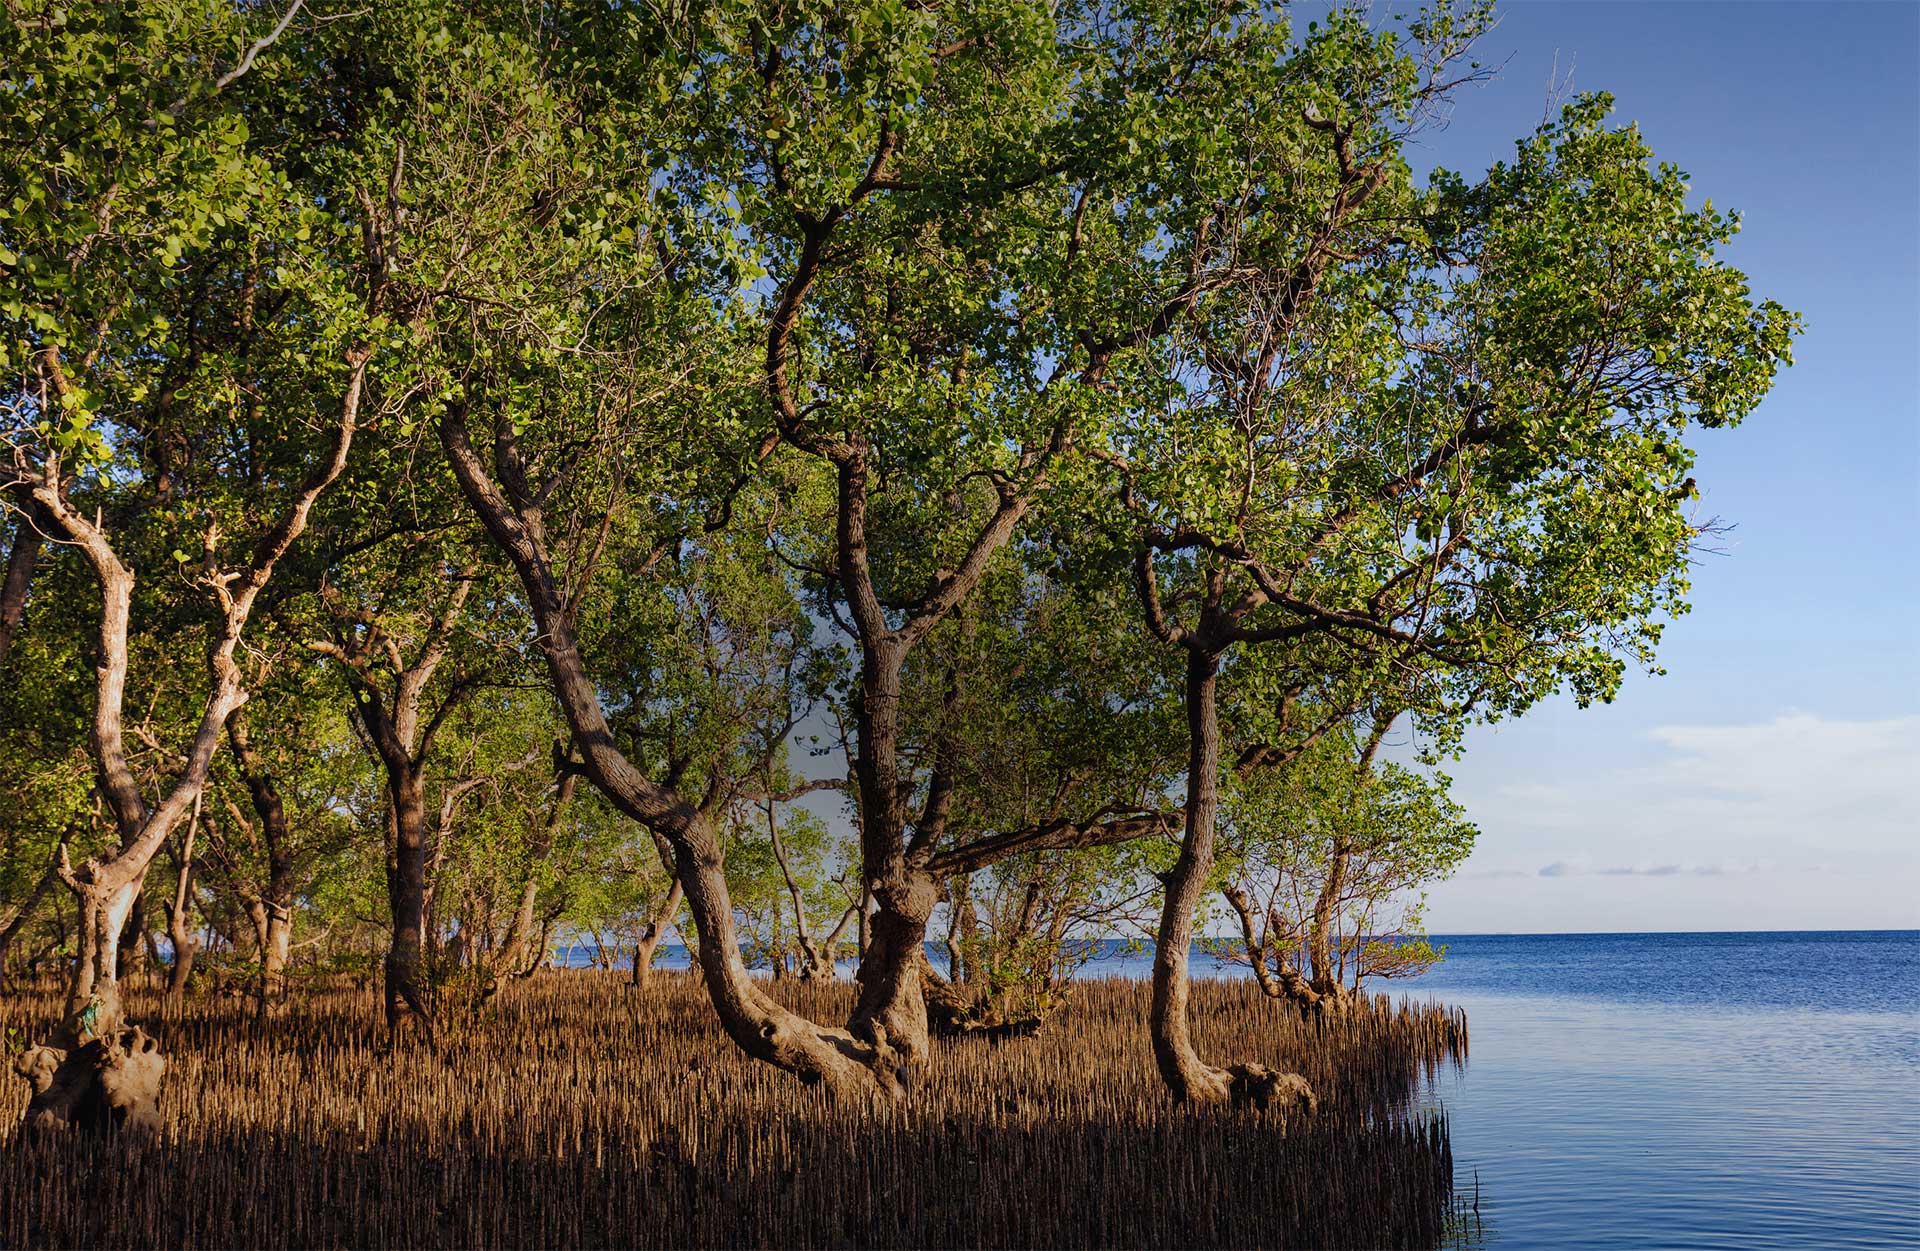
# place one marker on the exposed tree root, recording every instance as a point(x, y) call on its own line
point(106, 1084)
point(1265, 1089)
point(953, 1013)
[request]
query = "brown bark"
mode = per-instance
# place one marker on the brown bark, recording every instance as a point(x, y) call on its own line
point(1276, 979)
point(962, 925)
point(758, 1025)
point(828, 950)
point(894, 862)
point(97, 1069)
point(405, 986)
point(21, 557)
point(132, 955)
point(1180, 1065)
point(648, 941)
point(179, 926)
point(1190, 1078)
point(20, 916)
point(401, 732)
point(510, 957)
point(815, 958)
point(275, 902)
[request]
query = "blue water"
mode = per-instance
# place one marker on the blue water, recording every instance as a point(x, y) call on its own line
point(1646, 1091)
point(1688, 1090)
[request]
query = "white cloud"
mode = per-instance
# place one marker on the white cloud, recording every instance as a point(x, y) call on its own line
point(1719, 799)
point(1580, 866)
point(1796, 820)
point(1799, 767)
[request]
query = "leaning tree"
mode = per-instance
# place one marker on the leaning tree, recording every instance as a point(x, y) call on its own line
point(187, 337)
point(1431, 443)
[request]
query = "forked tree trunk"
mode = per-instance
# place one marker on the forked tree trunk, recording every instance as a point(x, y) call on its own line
point(814, 963)
point(892, 1006)
point(758, 1025)
point(97, 1072)
point(825, 955)
point(647, 944)
point(403, 741)
point(510, 957)
point(100, 1072)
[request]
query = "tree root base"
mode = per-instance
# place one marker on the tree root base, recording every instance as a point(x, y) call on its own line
point(104, 1085)
point(1265, 1089)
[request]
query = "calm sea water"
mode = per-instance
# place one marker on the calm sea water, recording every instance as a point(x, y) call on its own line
point(1643, 1091)
point(1688, 1090)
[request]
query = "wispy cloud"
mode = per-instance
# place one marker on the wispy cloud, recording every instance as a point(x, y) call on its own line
point(1797, 820)
point(1578, 867)
point(1718, 797)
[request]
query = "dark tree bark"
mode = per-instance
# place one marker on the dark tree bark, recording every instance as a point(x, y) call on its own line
point(512, 512)
point(18, 918)
point(276, 898)
point(21, 558)
point(400, 729)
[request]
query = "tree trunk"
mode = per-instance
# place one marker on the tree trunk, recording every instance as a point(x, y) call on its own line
point(98, 1072)
point(179, 916)
point(405, 966)
point(132, 956)
point(20, 917)
point(1320, 930)
point(892, 1008)
point(826, 954)
point(1191, 1079)
point(24, 553)
point(649, 943)
point(275, 924)
point(183, 953)
point(274, 955)
point(964, 926)
point(762, 1028)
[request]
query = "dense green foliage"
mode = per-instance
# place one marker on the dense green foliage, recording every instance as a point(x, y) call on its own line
point(900, 461)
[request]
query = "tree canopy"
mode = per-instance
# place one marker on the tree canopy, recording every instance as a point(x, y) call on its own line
point(513, 469)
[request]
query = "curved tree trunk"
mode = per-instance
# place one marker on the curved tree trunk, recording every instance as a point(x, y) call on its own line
point(761, 1027)
point(100, 1072)
point(1191, 1079)
point(648, 942)
point(510, 957)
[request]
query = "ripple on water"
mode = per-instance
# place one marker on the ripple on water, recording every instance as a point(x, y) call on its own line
point(1623, 1124)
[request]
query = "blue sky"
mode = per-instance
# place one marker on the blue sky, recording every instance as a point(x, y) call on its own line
point(1768, 780)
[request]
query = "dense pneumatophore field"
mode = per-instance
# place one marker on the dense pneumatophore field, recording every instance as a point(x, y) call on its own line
point(584, 1112)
